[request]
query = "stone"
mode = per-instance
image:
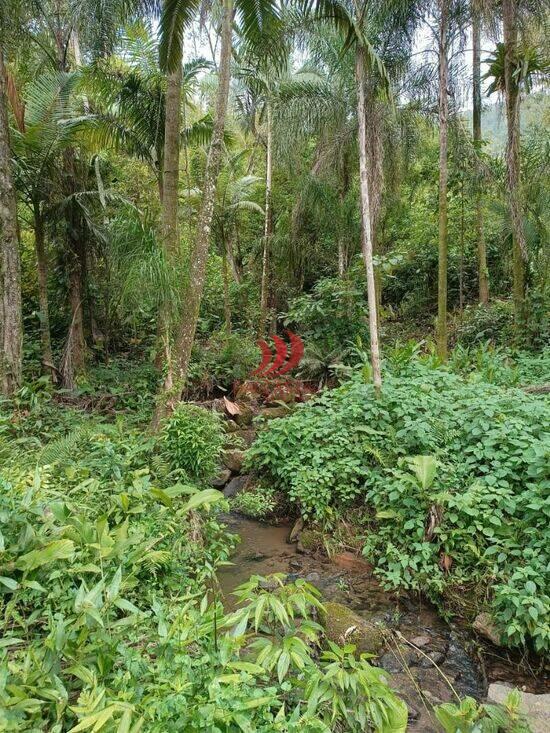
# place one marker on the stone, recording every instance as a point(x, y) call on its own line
point(394, 662)
point(247, 436)
point(313, 577)
point(536, 708)
point(431, 698)
point(296, 530)
point(344, 626)
point(485, 626)
point(233, 460)
point(354, 563)
point(270, 413)
point(235, 486)
point(245, 416)
point(432, 658)
point(421, 641)
point(219, 481)
point(295, 563)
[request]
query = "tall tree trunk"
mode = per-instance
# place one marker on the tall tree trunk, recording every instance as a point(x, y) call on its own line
point(42, 268)
point(171, 394)
point(74, 356)
point(343, 254)
point(11, 323)
point(226, 299)
point(483, 273)
point(366, 218)
point(441, 330)
point(512, 96)
point(268, 224)
point(169, 211)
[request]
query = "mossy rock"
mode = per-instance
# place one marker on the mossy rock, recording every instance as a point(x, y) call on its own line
point(343, 626)
point(310, 539)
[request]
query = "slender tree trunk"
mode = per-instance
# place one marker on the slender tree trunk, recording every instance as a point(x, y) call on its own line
point(441, 331)
point(171, 394)
point(74, 356)
point(42, 268)
point(512, 95)
point(226, 299)
point(11, 323)
point(169, 200)
point(483, 273)
point(366, 219)
point(268, 225)
point(343, 255)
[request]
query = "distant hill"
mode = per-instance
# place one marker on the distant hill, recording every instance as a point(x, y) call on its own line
point(535, 111)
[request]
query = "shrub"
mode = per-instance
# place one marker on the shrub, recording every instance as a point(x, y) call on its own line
point(258, 504)
point(192, 440)
point(481, 323)
point(484, 513)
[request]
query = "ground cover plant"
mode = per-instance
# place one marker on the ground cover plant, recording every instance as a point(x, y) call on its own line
point(452, 473)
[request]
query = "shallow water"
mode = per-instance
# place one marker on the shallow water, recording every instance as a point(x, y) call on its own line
point(453, 665)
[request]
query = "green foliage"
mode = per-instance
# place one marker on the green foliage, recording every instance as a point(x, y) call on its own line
point(220, 361)
point(444, 468)
point(492, 322)
point(471, 717)
point(192, 440)
point(258, 504)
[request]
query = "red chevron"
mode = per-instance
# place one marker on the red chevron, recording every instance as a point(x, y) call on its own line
point(296, 353)
point(281, 354)
point(283, 361)
point(266, 357)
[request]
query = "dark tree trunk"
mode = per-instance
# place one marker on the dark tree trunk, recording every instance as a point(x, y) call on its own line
point(11, 323)
point(169, 200)
point(42, 269)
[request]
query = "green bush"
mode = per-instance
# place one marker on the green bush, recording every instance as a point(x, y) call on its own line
point(192, 440)
point(220, 361)
point(481, 323)
point(485, 509)
point(258, 504)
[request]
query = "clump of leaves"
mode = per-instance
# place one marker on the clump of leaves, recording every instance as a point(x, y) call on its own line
point(452, 475)
point(192, 440)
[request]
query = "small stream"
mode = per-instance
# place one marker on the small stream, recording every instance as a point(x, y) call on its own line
point(443, 662)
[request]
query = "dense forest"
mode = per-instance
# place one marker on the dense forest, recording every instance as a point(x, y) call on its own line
point(274, 366)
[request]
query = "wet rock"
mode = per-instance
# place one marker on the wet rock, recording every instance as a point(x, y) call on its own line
point(295, 564)
point(432, 658)
point(536, 708)
point(398, 661)
point(349, 561)
point(219, 481)
point(485, 626)
point(234, 459)
point(421, 641)
point(458, 664)
point(313, 577)
point(343, 626)
point(235, 486)
point(295, 532)
point(269, 413)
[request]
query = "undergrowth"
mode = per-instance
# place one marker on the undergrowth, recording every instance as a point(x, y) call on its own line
point(453, 474)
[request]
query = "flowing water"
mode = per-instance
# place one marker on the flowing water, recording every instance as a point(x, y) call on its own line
point(442, 664)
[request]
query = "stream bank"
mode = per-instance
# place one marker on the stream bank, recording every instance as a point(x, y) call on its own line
point(429, 660)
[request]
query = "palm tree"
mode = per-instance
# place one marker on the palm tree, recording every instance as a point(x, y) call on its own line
point(443, 107)
point(511, 68)
point(11, 328)
point(46, 128)
point(257, 20)
point(360, 23)
point(483, 276)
